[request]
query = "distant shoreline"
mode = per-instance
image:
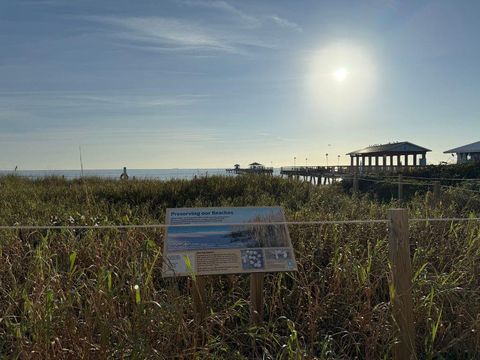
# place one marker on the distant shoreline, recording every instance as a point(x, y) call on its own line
point(159, 174)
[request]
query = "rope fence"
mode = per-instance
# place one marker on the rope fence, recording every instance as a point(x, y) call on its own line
point(422, 182)
point(438, 179)
point(460, 188)
point(427, 178)
point(395, 182)
point(292, 223)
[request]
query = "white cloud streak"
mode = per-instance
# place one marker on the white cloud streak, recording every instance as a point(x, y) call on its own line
point(156, 33)
point(284, 23)
point(170, 34)
point(73, 99)
point(174, 35)
point(249, 20)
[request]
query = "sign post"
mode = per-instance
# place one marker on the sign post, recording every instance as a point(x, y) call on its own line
point(256, 298)
point(199, 296)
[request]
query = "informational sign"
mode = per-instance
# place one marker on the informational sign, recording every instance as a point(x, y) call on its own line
point(206, 241)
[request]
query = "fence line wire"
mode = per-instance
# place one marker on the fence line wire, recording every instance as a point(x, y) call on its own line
point(385, 180)
point(153, 226)
point(424, 178)
point(453, 219)
point(293, 223)
point(460, 188)
point(396, 182)
point(440, 179)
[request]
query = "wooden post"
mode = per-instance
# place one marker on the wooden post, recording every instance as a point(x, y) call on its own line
point(256, 298)
point(355, 182)
point(400, 188)
point(436, 192)
point(401, 287)
point(199, 295)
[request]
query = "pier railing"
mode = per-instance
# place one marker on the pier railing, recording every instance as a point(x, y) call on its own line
point(346, 169)
point(254, 170)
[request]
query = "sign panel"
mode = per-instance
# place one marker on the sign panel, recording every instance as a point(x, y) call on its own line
point(206, 241)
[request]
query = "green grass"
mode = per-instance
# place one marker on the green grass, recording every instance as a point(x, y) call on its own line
point(99, 293)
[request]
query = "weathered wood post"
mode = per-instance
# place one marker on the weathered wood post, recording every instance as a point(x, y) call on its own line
point(199, 295)
point(256, 298)
point(401, 286)
point(355, 181)
point(400, 188)
point(436, 192)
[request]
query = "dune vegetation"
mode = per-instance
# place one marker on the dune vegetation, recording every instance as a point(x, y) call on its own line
point(98, 293)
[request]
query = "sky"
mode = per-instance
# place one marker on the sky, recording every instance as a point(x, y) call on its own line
point(208, 84)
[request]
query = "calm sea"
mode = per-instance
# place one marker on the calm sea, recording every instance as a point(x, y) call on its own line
point(159, 174)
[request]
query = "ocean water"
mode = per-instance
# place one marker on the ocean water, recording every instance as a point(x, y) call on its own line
point(157, 174)
point(208, 241)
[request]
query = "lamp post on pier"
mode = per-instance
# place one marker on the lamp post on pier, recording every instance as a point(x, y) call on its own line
point(326, 156)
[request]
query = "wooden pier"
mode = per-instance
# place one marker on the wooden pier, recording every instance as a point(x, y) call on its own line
point(331, 174)
point(254, 168)
point(392, 158)
point(384, 159)
point(316, 174)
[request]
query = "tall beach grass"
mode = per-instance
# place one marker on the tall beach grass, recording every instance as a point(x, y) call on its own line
point(76, 293)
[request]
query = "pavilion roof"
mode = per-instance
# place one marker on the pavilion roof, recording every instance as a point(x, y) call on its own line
point(470, 148)
point(396, 148)
point(255, 164)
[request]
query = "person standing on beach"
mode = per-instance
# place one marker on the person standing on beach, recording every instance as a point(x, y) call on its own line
point(124, 175)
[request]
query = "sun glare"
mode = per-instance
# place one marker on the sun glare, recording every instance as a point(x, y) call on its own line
point(340, 74)
point(330, 82)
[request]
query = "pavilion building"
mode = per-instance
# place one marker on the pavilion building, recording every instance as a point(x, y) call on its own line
point(398, 154)
point(256, 166)
point(253, 168)
point(470, 152)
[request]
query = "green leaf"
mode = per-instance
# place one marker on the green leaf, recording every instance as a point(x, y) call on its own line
point(72, 257)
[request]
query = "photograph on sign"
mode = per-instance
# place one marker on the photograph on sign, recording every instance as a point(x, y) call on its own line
point(205, 241)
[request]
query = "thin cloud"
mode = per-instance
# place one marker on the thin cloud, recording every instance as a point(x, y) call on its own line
point(145, 133)
point(249, 20)
point(136, 100)
point(165, 34)
point(94, 99)
point(284, 23)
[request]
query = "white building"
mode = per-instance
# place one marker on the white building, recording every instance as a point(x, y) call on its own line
point(470, 152)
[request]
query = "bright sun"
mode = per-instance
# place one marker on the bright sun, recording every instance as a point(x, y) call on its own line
point(340, 74)
point(341, 78)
